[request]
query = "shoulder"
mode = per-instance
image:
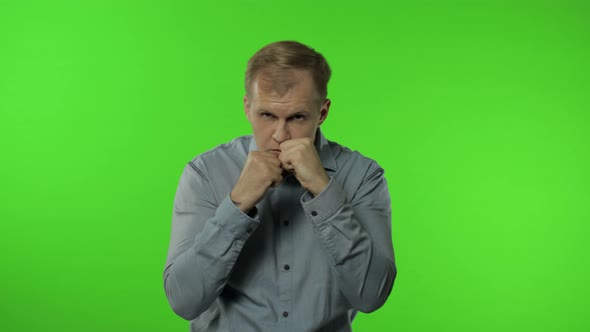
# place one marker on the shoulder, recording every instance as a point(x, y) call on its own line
point(359, 175)
point(349, 161)
point(220, 167)
point(223, 155)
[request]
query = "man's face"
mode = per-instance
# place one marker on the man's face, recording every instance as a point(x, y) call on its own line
point(276, 118)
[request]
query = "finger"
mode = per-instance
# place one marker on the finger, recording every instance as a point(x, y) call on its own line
point(262, 154)
point(274, 171)
point(288, 144)
point(288, 166)
point(284, 157)
point(274, 164)
point(276, 181)
point(267, 158)
point(267, 154)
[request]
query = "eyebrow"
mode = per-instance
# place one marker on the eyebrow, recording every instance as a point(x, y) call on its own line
point(298, 112)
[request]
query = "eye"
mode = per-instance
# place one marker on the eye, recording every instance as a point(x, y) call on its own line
point(298, 117)
point(266, 115)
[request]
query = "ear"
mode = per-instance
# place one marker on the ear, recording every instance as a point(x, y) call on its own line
point(324, 111)
point(246, 107)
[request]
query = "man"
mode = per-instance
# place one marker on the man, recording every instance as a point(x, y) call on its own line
point(282, 230)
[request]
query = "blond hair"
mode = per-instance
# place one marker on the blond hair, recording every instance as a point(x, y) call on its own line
point(278, 60)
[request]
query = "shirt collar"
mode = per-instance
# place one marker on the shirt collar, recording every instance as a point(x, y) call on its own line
point(322, 146)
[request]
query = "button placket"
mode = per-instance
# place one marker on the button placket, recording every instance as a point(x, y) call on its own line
point(285, 245)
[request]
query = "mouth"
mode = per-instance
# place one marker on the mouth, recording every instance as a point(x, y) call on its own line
point(276, 152)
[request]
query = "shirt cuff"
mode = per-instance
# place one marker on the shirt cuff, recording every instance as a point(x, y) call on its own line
point(326, 204)
point(230, 218)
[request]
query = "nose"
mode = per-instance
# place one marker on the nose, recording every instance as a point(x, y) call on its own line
point(281, 133)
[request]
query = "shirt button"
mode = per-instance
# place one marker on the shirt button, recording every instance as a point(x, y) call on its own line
point(286, 222)
point(285, 314)
point(286, 267)
point(313, 213)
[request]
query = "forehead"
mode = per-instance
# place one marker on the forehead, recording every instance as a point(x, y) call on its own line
point(285, 86)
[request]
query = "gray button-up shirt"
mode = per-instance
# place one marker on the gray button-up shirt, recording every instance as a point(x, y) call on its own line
point(296, 263)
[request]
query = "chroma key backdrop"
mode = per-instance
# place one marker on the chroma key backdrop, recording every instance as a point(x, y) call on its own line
point(479, 112)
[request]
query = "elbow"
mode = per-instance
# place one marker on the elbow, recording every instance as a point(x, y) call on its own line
point(180, 302)
point(184, 310)
point(368, 307)
point(379, 296)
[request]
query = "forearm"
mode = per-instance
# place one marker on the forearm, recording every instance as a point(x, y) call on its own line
point(365, 273)
point(362, 259)
point(194, 278)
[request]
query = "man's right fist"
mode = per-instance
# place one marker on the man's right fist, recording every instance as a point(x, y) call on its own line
point(261, 171)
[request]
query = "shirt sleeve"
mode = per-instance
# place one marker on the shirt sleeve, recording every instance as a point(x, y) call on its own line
point(356, 235)
point(205, 242)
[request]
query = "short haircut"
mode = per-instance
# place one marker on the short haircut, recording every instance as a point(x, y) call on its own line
point(277, 62)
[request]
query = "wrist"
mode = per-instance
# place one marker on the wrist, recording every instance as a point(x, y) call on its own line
point(241, 205)
point(319, 186)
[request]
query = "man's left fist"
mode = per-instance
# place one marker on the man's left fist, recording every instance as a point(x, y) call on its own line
point(300, 156)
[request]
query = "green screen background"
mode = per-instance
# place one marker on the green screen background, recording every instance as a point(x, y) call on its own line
point(478, 111)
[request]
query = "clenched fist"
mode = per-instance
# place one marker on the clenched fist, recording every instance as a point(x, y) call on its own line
point(300, 156)
point(261, 171)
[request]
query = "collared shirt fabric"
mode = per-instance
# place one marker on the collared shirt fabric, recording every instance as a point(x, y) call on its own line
point(294, 263)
